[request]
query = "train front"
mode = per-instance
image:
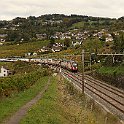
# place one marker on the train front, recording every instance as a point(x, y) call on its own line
point(74, 67)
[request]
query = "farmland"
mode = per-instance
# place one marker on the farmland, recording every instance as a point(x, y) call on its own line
point(20, 50)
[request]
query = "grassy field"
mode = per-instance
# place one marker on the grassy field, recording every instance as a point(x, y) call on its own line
point(10, 105)
point(20, 50)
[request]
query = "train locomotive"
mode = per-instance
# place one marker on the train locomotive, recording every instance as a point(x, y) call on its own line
point(69, 65)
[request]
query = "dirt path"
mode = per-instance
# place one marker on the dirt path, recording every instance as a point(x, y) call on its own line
point(15, 119)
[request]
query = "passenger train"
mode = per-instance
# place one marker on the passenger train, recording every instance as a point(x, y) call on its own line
point(67, 64)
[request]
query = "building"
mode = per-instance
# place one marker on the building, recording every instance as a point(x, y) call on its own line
point(41, 36)
point(3, 37)
point(56, 49)
point(5, 72)
point(45, 49)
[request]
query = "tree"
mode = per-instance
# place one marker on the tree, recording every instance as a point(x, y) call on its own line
point(52, 41)
point(67, 42)
point(119, 43)
point(92, 45)
point(14, 36)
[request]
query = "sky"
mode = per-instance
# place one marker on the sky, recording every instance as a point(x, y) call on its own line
point(10, 9)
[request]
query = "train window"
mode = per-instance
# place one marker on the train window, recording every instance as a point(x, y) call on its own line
point(74, 64)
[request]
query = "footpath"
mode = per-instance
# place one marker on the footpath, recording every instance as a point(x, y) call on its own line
point(15, 119)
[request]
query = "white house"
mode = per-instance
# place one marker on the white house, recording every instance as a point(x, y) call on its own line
point(108, 39)
point(56, 48)
point(34, 54)
point(5, 72)
point(76, 43)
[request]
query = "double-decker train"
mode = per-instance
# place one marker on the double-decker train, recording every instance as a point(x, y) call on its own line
point(67, 64)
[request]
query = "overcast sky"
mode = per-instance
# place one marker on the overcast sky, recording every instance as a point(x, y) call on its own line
point(10, 9)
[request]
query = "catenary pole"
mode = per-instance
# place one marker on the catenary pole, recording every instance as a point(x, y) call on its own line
point(82, 71)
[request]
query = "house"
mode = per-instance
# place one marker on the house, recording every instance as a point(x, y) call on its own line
point(34, 54)
point(45, 49)
point(108, 39)
point(5, 72)
point(58, 45)
point(76, 43)
point(3, 37)
point(56, 48)
point(28, 54)
point(41, 36)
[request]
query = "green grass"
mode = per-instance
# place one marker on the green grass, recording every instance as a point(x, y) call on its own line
point(46, 110)
point(10, 105)
point(111, 70)
point(20, 50)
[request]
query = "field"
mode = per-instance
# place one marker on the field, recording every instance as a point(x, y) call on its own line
point(20, 50)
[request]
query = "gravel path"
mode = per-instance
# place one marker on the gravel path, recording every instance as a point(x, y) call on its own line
point(15, 119)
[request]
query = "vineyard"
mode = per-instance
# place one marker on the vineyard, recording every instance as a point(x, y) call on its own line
point(17, 83)
point(21, 49)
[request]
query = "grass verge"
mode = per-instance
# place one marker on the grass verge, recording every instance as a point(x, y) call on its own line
point(10, 105)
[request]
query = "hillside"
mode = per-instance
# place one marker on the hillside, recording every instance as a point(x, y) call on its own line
point(21, 49)
point(25, 29)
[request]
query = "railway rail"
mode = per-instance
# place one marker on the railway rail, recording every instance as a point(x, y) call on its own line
point(110, 97)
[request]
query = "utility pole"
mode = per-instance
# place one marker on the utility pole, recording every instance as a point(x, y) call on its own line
point(82, 71)
point(90, 62)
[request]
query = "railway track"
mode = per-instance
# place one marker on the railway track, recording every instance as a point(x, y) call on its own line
point(110, 97)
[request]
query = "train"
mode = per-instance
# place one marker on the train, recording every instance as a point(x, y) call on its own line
point(66, 64)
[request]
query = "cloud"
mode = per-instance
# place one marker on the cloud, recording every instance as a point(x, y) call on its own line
point(10, 9)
